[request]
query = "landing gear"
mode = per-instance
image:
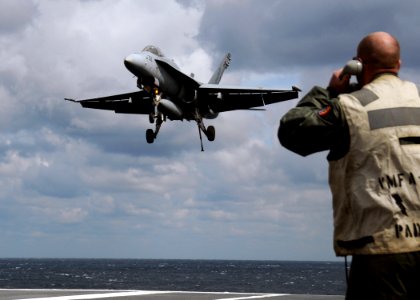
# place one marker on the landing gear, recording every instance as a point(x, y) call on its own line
point(160, 118)
point(210, 132)
point(150, 134)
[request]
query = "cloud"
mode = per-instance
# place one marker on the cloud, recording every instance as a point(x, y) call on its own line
point(303, 37)
point(15, 16)
point(87, 179)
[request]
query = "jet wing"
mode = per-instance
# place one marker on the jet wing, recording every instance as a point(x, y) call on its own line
point(140, 102)
point(226, 98)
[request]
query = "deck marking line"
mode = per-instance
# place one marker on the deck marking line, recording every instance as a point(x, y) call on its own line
point(255, 297)
point(100, 296)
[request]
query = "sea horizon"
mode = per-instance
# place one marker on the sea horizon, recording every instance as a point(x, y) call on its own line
point(266, 276)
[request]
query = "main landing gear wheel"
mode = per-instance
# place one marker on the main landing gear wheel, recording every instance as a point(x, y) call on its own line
point(211, 133)
point(150, 136)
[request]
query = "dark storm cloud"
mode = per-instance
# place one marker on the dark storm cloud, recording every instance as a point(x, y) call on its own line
point(280, 35)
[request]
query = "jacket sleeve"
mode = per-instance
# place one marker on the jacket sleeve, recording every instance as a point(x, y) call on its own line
point(316, 124)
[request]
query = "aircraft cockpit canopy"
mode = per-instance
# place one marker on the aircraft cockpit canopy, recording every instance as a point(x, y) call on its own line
point(153, 49)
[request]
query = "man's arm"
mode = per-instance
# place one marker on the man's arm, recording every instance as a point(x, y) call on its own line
point(316, 124)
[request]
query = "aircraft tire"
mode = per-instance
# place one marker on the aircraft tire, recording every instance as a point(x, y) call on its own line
point(211, 133)
point(150, 136)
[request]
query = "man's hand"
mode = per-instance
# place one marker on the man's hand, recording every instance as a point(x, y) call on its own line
point(339, 85)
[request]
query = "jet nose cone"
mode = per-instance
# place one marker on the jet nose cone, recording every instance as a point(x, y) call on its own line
point(129, 61)
point(137, 64)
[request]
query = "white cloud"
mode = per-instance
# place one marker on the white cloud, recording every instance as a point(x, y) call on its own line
point(86, 178)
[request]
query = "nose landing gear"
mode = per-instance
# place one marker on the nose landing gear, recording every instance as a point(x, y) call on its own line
point(160, 118)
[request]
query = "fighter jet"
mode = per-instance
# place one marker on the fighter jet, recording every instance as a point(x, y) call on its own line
point(168, 93)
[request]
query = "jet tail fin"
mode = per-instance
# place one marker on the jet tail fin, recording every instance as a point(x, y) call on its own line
point(217, 75)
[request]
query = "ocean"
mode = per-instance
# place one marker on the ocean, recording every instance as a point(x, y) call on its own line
point(294, 277)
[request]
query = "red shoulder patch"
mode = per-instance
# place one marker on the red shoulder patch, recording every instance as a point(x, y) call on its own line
point(325, 111)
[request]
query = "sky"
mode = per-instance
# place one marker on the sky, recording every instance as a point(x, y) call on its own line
point(81, 183)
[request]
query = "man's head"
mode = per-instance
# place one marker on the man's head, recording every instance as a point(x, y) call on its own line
point(379, 52)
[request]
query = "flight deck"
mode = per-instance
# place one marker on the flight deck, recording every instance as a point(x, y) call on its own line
point(51, 294)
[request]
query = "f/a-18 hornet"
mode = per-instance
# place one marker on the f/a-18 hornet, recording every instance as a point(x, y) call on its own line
point(167, 93)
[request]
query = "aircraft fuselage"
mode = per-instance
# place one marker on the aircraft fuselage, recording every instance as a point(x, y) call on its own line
point(174, 95)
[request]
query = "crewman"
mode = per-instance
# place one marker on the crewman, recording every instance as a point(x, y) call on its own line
point(372, 133)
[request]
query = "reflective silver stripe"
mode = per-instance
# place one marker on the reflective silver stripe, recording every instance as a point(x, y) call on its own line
point(365, 96)
point(391, 117)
